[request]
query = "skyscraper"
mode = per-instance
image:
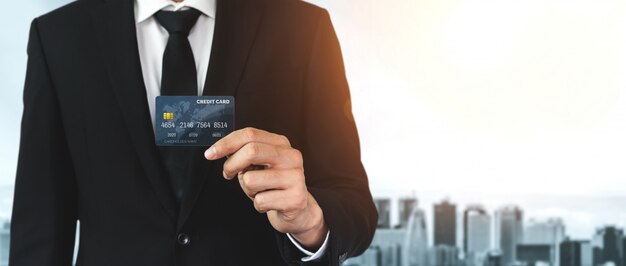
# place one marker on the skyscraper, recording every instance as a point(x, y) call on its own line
point(403, 245)
point(475, 219)
point(509, 226)
point(596, 255)
point(443, 255)
point(383, 206)
point(533, 254)
point(550, 232)
point(596, 248)
point(405, 209)
point(476, 234)
point(575, 253)
point(494, 258)
point(389, 242)
point(586, 253)
point(445, 224)
point(570, 253)
point(624, 251)
point(416, 243)
point(612, 240)
point(4, 243)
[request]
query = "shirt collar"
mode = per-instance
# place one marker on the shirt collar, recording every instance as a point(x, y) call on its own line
point(144, 9)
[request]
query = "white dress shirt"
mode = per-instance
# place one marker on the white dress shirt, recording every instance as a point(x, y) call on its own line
point(152, 39)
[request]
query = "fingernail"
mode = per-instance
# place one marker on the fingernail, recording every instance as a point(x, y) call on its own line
point(210, 153)
point(225, 176)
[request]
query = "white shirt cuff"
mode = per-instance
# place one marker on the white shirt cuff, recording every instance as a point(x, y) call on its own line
point(310, 256)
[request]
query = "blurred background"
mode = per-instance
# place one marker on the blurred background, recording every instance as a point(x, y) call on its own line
point(493, 131)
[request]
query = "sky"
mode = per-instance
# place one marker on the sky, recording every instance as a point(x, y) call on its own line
point(494, 102)
point(483, 101)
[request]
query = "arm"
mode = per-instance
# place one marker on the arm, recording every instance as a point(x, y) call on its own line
point(335, 197)
point(44, 216)
point(337, 179)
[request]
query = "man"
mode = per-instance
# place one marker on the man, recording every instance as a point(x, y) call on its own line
point(88, 153)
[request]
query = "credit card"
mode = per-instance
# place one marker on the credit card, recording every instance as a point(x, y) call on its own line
point(193, 120)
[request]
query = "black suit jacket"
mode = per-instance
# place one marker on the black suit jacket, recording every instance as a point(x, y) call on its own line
point(87, 147)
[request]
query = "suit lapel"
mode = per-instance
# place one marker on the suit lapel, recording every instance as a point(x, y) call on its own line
point(118, 42)
point(236, 26)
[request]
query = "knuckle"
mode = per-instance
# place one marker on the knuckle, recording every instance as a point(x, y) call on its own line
point(296, 156)
point(228, 169)
point(259, 202)
point(250, 133)
point(252, 149)
point(248, 181)
point(284, 140)
point(245, 180)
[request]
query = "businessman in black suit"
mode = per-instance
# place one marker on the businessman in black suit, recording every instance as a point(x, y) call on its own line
point(88, 153)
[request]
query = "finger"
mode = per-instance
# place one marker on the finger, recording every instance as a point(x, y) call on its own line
point(279, 200)
point(256, 153)
point(236, 140)
point(254, 182)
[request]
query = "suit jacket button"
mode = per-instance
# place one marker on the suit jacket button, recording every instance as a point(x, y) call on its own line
point(183, 239)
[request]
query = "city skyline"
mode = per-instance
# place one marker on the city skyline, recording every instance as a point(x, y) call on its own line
point(581, 215)
point(414, 217)
point(518, 241)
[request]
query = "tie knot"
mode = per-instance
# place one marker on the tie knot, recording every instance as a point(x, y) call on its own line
point(178, 21)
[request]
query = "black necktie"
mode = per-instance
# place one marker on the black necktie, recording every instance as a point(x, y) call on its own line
point(179, 68)
point(179, 77)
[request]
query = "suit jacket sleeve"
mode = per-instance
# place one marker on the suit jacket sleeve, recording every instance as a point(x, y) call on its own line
point(44, 216)
point(335, 176)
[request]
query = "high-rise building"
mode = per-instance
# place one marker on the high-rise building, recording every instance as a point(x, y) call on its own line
point(534, 254)
point(550, 232)
point(476, 234)
point(4, 243)
point(611, 239)
point(443, 255)
point(404, 245)
point(383, 206)
point(570, 253)
point(596, 254)
point(575, 253)
point(509, 230)
point(624, 251)
point(405, 209)
point(390, 243)
point(596, 248)
point(494, 258)
point(416, 242)
point(586, 253)
point(475, 211)
point(445, 224)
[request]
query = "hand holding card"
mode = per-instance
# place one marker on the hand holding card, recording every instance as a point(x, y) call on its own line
point(278, 188)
